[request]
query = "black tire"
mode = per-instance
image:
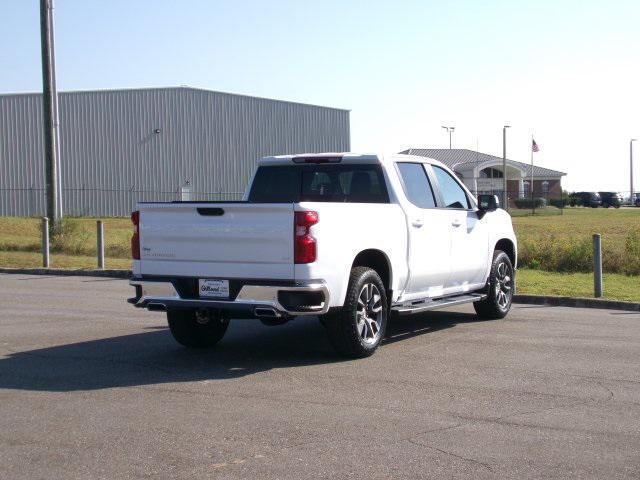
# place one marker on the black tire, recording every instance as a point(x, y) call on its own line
point(196, 329)
point(358, 328)
point(499, 289)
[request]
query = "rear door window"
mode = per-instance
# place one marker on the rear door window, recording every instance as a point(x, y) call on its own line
point(416, 185)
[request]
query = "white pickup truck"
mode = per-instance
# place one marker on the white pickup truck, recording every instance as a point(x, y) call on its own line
point(346, 237)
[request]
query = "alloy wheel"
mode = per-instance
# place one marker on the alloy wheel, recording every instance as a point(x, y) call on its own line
point(504, 284)
point(369, 313)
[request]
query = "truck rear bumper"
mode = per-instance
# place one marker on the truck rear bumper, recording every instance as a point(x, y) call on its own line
point(253, 300)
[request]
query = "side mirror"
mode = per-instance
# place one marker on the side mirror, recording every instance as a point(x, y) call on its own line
point(487, 203)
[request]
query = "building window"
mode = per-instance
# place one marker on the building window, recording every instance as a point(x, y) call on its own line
point(490, 172)
point(545, 188)
point(525, 188)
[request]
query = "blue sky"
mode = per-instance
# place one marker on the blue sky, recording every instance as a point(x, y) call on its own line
point(567, 71)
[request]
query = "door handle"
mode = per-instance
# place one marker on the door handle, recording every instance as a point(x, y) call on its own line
point(417, 223)
point(456, 223)
point(216, 212)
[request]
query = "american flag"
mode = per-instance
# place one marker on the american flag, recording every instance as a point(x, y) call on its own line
point(534, 146)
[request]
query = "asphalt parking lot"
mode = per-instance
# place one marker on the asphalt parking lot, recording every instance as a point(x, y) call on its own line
point(93, 388)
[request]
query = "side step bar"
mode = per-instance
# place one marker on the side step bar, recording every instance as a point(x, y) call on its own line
point(417, 306)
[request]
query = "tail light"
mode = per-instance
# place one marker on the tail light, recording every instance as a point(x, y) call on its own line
point(135, 238)
point(304, 245)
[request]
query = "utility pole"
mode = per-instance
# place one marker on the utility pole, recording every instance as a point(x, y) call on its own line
point(631, 170)
point(50, 115)
point(505, 198)
point(450, 131)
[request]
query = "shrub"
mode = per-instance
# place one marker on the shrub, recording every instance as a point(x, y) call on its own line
point(575, 254)
point(534, 264)
point(632, 252)
point(556, 254)
point(528, 203)
point(559, 202)
point(118, 250)
point(69, 237)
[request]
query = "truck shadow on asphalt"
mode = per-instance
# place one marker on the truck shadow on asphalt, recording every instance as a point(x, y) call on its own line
point(153, 357)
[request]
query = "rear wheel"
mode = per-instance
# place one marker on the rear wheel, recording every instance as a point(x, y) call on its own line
point(500, 291)
point(197, 328)
point(358, 328)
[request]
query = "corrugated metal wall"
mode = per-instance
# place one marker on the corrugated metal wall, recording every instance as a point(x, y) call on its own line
point(112, 157)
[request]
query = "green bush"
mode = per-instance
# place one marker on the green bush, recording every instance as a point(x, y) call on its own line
point(556, 254)
point(559, 202)
point(632, 253)
point(529, 203)
point(570, 254)
point(69, 237)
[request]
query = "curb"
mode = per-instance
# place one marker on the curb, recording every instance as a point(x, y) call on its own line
point(526, 299)
point(577, 302)
point(111, 273)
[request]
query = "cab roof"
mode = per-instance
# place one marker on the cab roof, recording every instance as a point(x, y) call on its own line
point(345, 157)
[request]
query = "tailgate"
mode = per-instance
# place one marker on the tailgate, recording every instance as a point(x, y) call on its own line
point(217, 240)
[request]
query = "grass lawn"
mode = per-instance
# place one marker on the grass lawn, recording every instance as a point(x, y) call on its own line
point(23, 234)
point(615, 286)
point(554, 242)
point(58, 260)
point(563, 243)
point(579, 222)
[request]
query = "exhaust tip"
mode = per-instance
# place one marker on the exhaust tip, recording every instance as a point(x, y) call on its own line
point(262, 312)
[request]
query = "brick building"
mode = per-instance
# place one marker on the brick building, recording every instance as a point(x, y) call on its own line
point(483, 173)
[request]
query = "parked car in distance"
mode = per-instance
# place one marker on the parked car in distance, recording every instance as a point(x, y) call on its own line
point(348, 238)
point(611, 199)
point(585, 199)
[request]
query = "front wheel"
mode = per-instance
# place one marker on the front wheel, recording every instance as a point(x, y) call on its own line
point(197, 328)
point(500, 291)
point(358, 328)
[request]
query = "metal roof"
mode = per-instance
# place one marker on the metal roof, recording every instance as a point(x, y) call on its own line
point(457, 157)
point(180, 87)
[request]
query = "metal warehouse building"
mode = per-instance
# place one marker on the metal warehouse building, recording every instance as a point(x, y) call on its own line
point(123, 146)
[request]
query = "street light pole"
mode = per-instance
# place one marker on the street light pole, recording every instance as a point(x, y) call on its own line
point(631, 170)
point(505, 198)
point(449, 130)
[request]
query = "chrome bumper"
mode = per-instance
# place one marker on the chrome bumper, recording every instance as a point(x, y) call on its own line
point(154, 293)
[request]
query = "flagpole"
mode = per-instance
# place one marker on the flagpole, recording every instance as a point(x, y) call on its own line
point(533, 203)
